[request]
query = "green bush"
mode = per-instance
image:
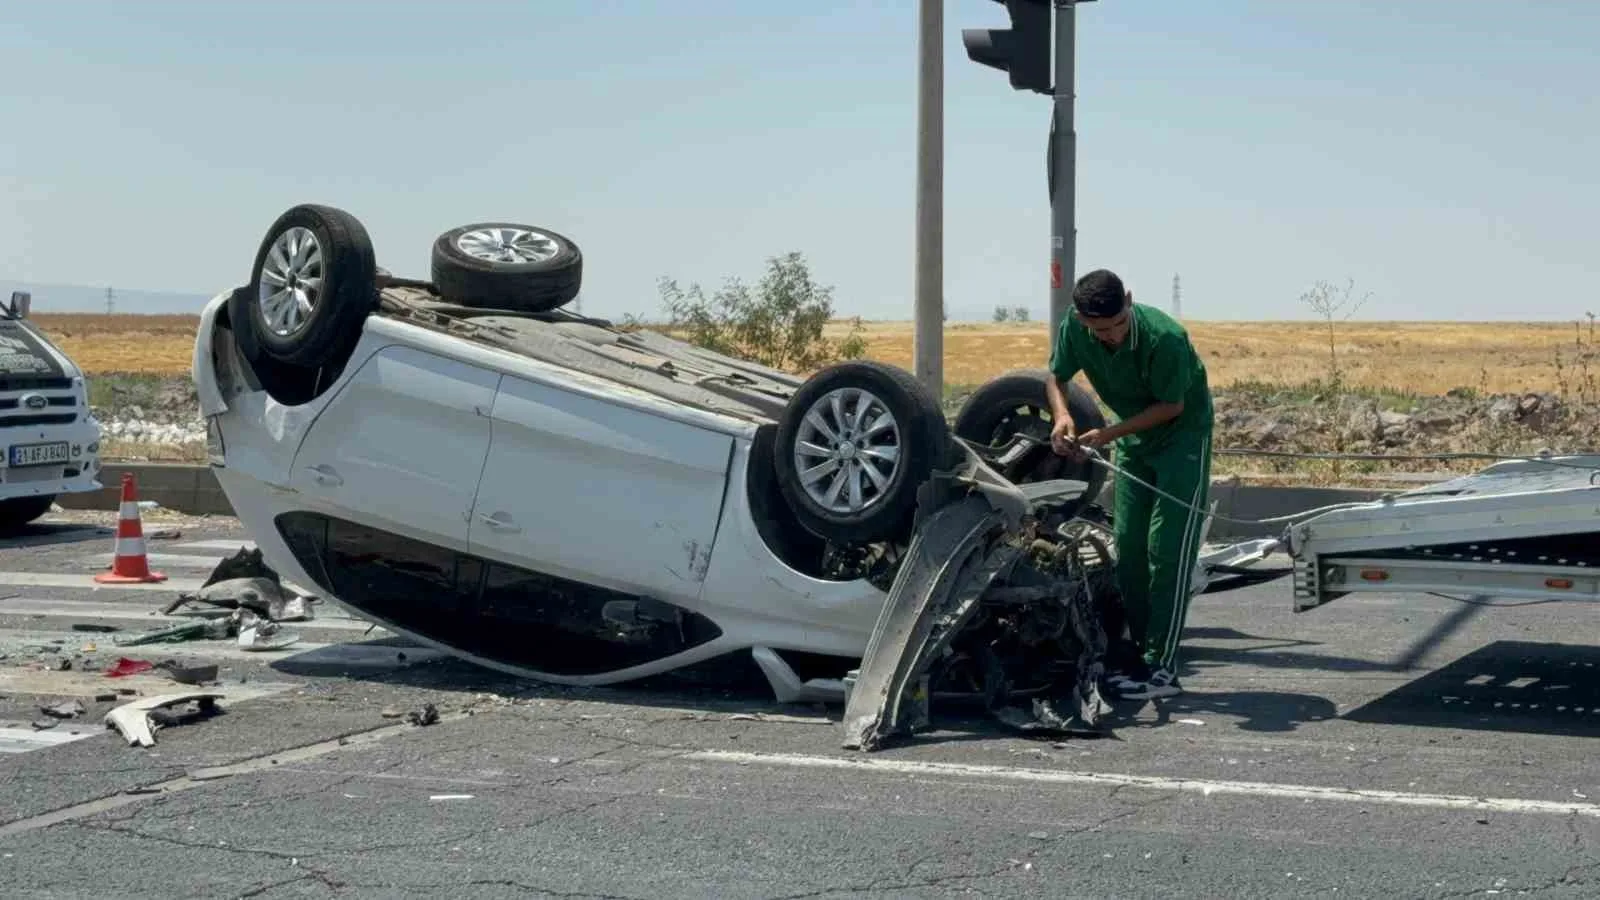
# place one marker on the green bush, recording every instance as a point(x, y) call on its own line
point(779, 323)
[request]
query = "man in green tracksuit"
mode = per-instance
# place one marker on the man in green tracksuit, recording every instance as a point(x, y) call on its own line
point(1142, 364)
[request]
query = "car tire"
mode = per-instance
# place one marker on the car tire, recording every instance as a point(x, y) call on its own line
point(915, 428)
point(329, 247)
point(1018, 402)
point(506, 265)
point(19, 511)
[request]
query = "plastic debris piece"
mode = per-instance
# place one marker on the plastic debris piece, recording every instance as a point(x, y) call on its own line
point(67, 710)
point(125, 666)
point(138, 721)
point(185, 631)
point(196, 674)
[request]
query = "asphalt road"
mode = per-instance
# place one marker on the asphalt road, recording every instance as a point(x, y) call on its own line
point(1381, 746)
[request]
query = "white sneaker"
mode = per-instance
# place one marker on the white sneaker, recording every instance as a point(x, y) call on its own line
point(1161, 683)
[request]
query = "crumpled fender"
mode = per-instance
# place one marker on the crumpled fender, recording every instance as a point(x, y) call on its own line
point(935, 570)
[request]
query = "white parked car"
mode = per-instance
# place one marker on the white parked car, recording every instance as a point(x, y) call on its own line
point(467, 463)
point(49, 438)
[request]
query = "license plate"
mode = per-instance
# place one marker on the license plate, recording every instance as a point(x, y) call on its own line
point(39, 454)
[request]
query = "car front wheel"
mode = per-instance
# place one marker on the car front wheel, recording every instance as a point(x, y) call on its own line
point(855, 444)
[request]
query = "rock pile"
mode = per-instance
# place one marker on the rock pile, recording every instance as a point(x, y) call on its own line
point(1455, 423)
point(1259, 419)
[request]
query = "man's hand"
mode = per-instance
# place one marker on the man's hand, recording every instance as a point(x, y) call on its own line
point(1093, 439)
point(1062, 440)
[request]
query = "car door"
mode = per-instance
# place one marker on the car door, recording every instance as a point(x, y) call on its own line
point(598, 492)
point(402, 445)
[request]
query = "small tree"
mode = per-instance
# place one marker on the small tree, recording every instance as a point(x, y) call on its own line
point(779, 324)
point(1327, 304)
point(1002, 314)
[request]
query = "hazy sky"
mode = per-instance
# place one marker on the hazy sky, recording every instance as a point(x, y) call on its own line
point(1443, 153)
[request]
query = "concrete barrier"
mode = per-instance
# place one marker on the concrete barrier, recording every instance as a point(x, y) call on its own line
point(181, 487)
point(193, 490)
point(1250, 502)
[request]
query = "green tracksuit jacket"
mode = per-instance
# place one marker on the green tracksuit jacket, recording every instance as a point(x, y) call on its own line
point(1157, 539)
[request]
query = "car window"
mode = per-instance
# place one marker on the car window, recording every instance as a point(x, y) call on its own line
point(498, 612)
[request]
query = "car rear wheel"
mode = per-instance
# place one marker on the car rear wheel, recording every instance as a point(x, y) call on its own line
point(506, 265)
point(314, 283)
point(1017, 402)
point(855, 444)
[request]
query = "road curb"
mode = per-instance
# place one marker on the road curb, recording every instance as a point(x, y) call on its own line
point(193, 490)
point(181, 487)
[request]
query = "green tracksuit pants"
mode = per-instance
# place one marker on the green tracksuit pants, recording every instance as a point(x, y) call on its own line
point(1158, 541)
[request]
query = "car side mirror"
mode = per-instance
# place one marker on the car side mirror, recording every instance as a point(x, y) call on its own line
point(21, 301)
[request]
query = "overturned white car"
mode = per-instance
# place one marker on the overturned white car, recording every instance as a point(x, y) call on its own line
point(468, 464)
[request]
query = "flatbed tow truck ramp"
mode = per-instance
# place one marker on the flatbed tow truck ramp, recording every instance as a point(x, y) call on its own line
point(1521, 529)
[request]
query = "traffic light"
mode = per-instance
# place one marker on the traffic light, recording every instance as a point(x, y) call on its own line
point(1023, 50)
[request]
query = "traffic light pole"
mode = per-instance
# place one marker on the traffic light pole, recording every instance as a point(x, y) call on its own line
point(1063, 163)
point(927, 336)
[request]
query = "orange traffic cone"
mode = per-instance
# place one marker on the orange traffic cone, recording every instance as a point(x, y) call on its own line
point(130, 565)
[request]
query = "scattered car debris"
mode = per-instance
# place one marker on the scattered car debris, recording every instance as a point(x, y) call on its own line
point(265, 597)
point(199, 674)
point(125, 666)
point(174, 633)
point(246, 563)
point(70, 709)
point(427, 715)
point(138, 721)
point(265, 635)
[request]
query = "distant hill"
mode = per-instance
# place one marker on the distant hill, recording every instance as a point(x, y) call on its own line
point(79, 298)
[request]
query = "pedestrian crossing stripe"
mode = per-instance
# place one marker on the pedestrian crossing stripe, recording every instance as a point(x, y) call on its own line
point(229, 547)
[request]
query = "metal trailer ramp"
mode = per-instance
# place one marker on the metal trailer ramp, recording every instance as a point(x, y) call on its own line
point(1528, 529)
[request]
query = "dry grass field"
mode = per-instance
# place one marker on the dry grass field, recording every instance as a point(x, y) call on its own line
point(100, 343)
point(1404, 357)
point(1420, 358)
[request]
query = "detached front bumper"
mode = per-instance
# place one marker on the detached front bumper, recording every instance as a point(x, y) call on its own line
point(79, 473)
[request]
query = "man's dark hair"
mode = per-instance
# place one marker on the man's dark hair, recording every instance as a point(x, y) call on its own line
point(1099, 294)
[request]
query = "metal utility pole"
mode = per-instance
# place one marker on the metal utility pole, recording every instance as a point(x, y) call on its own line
point(1064, 166)
point(927, 341)
point(109, 301)
point(1024, 52)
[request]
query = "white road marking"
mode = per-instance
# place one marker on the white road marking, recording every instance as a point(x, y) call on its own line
point(353, 656)
point(65, 580)
point(174, 583)
point(25, 739)
point(19, 738)
point(126, 612)
point(1150, 782)
point(229, 547)
point(159, 561)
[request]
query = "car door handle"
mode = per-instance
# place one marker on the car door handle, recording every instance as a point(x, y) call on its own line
point(324, 474)
point(499, 522)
